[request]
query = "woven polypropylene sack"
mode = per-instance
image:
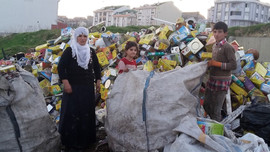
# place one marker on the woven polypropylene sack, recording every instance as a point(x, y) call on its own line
point(25, 122)
point(168, 98)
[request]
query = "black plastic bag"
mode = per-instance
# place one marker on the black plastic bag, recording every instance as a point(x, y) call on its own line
point(256, 118)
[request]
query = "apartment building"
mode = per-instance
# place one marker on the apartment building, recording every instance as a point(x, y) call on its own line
point(27, 15)
point(125, 18)
point(106, 14)
point(165, 11)
point(194, 16)
point(240, 12)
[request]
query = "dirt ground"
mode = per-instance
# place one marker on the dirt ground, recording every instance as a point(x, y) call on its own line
point(101, 145)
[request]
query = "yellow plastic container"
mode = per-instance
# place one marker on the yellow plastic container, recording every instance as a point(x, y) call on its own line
point(58, 105)
point(55, 89)
point(55, 49)
point(238, 90)
point(147, 39)
point(148, 66)
point(103, 92)
point(165, 32)
point(9, 68)
point(170, 62)
point(194, 33)
point(102, 59)
point(164, 65)
point(95, 34)
point(206, 55)
point(54, 69)
point(43, 46)
point(114, 53)
point(35, 72)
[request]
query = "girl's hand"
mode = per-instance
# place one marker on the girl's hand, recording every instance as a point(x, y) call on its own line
point(126, 70)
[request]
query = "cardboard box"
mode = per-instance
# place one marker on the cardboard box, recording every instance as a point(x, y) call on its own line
point(257, 79)
point(48, 54)
point(165, 32)
point(107, 52)
point(211, 128)
point(195, 45)
point(265, 88)
point(260, 69)
point(186, 52)
point(55, 89)
point(102, 59)
point(175, 50)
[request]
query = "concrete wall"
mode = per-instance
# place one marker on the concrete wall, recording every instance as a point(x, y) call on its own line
point(19, 16)
point(262, 44)
point(168, 12)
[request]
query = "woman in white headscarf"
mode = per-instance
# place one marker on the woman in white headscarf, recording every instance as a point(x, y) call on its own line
point(78, 70)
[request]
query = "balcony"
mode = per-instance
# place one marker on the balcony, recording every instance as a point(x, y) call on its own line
point(236, 17)
point(247, 9)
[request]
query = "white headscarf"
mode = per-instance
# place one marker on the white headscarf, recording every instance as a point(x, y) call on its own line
point(81, 52)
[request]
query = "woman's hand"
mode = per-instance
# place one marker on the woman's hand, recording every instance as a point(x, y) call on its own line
point(98, 86)
point(67, 86)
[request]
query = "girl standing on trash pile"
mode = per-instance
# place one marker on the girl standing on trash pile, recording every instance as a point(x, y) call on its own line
point(128, 63)
point(78, 68)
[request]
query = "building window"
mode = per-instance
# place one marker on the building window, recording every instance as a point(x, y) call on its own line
point(227, 6)
point(236, 5)
point(257, 8)
point(246, 17)
point(246, 5)
point(226, 15)
point(238, 13)
point(219, 6)
point(242, 23)
point(219, 16)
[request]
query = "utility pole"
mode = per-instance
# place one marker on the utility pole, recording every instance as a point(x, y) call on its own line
point(4, 55)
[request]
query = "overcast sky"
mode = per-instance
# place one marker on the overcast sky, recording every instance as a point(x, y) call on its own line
point(84, 8)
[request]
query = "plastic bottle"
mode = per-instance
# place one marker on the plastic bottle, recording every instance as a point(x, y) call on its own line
point(237, 81)
point(155, 54)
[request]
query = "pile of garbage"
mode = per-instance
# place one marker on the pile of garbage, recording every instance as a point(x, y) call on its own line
point(161, 49)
